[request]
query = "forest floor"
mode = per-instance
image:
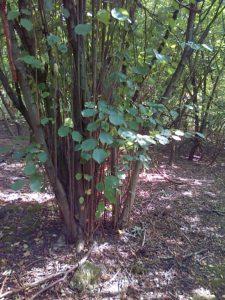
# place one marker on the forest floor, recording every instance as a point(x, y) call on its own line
point(174, 248)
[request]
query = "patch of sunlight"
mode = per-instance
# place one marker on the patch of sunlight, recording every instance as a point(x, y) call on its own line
point(25, 197)
point(192, 220)
point(174, 242)
point(202, 294)
point(151, 177)
point(200, 182)
point(188, 193)
point(16, 165)
point(164, 278)
point(143, 194)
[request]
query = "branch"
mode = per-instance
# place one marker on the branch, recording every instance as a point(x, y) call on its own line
point(3, 11)
point(53, 276)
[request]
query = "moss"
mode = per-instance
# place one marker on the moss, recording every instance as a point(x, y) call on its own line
point(86, 276)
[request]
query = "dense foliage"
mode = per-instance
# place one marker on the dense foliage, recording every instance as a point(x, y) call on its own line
point(98, 83)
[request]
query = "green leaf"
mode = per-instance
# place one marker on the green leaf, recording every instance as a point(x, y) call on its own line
point(25, 23)
point(86, 156)
point(63, 48)
point(26, 11)
point(83, 29)
point(68, 122)
point(193, 45)
point(78, 176)
point(207, 47)
point(13, 14)
point(89, 104)
point(166, 132)
point(120, 14)
point(179, 132)
point(89, 144)
point(63, 131)
point(5, 149)
point(93, 126)
point(162, 139)
point(201, 135)
point(45, 121)
point(66, 13)
point(99, 155)
point(18, 154)
point(81, 200)
point(30, 169)
point(52, 39)
point(32, 61)
point(106, 138)
point(116, 118)
point(89, 112)
point(140, 70)
point(160, 56)
point(43, 157)
point(33, 148)
point(103, 16)
point(35, 183)
point(48, 5)
point(101, 207)
point(145, 140)
point(88, 177)
point(100, 186)
point(174, 114)
point(118, 77)
point(111, 184)
point(17, 185)
point(45, 95)
point(176, 137)
point(76, 136)
point(127, 134)
point(105, 125)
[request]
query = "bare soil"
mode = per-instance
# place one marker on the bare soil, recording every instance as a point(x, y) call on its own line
point(175, 243)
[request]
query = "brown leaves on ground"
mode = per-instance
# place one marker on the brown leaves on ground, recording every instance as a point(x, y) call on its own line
point(174, 246)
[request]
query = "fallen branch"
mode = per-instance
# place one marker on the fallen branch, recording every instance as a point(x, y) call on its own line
point(48, 278)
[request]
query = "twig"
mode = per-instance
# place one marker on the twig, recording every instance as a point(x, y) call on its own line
point(40, 282)
point(144, 237)
point(194, 253)
point(4, 281)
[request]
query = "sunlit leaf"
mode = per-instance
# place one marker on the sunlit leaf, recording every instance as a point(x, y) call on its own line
point(120, 14)
point(201, 135)
point(103, 16)
point(78, 176)
point(81, 200)
point(88, 177)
